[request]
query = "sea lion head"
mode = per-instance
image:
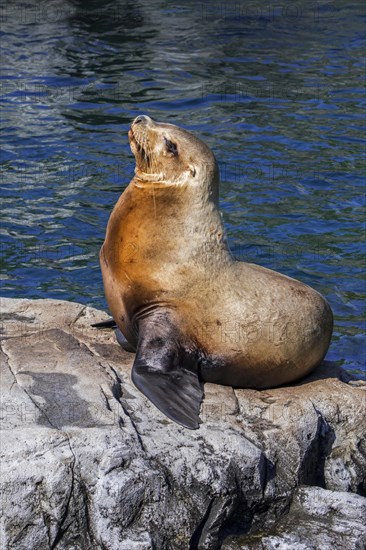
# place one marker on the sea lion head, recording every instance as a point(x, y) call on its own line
point(167, 155)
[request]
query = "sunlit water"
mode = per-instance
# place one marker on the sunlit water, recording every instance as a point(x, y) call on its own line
point(275, 89)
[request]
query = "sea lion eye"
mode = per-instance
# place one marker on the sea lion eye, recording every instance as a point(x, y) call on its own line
point(171, 147)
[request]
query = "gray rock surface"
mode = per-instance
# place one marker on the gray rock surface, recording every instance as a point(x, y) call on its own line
point(87, 462)
point(317, 519)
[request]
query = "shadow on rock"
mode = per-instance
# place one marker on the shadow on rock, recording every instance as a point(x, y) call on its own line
point(62, 406)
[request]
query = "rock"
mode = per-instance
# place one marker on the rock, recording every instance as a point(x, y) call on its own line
point(89, 463)
point(318, 519)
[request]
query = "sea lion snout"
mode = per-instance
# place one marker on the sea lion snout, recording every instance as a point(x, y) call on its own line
point(142, 119)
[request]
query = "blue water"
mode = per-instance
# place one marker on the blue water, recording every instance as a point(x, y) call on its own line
point(275, 89)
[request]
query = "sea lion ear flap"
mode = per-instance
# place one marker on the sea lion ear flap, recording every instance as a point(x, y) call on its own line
point(163, 372)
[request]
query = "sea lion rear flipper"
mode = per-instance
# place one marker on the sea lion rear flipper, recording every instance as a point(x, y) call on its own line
point(167, 375)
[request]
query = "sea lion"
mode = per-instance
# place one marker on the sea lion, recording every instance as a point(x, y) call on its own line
point(191, 311)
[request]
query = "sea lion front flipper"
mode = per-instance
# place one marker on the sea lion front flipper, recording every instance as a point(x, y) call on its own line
point(178, 394)
point(121, 339)
point(167, 375)
point(123, 342)
point(109, 323)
